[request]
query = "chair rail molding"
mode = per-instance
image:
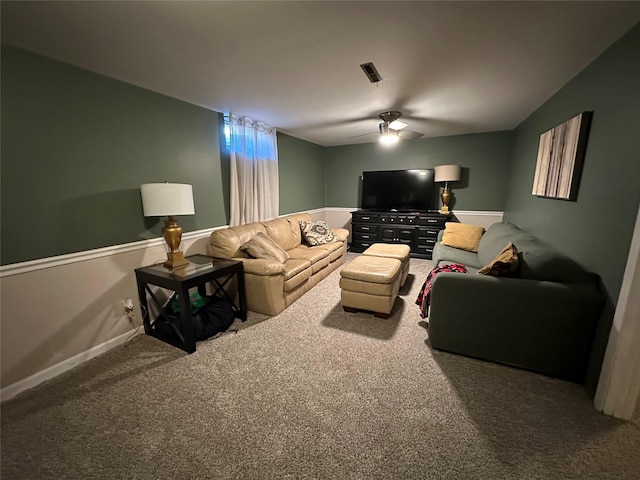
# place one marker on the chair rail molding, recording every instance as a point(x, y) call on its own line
point(58, 260)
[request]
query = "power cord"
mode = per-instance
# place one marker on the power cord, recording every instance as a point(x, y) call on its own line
point(130, 337)
point(131, 316)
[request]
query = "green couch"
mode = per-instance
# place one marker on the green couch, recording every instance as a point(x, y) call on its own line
point(543, 319)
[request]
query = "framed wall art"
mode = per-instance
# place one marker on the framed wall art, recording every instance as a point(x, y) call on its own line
point(560, 158)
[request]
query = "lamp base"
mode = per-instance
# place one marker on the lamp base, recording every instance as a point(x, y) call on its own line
point(446, 199)
point(175, 260)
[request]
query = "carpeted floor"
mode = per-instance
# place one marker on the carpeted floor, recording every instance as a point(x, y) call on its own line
point(313, 393)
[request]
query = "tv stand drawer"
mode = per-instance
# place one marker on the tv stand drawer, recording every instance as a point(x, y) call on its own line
point(419, 230)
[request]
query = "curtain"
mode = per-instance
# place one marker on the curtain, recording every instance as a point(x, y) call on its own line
point(254, 171)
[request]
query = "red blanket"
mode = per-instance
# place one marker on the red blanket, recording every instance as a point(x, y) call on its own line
point(424, 297)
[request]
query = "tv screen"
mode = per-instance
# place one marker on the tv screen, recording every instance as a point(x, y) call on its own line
point(401, 190)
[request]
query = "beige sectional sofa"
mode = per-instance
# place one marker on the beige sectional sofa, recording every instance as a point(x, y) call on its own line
point(272, 284)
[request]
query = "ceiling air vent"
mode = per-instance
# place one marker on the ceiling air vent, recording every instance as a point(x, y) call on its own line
point(370, 71)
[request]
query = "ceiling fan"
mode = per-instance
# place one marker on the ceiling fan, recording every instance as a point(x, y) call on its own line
point(392, 129)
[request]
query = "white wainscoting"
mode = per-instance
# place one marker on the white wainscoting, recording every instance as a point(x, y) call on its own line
point(61, 311)
point(484, 219)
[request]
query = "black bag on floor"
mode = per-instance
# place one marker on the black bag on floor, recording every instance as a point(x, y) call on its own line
point(214, 317)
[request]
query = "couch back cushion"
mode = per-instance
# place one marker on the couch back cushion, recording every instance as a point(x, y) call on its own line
point(538, 261)
point(541, 262)
point(496, 237)
point(226, 243)
point(285, 231)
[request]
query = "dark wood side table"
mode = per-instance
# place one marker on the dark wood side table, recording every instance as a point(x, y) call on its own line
point(201, 270)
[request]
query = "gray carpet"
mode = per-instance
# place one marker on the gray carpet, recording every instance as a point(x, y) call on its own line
point(313, 393)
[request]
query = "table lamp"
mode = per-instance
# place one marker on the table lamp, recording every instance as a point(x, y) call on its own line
point(169, 199)
point(446, 174)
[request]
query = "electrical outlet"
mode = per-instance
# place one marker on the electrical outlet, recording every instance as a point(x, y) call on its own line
point(128, 308)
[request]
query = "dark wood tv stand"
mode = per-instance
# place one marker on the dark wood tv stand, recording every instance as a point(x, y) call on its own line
point(419, 230)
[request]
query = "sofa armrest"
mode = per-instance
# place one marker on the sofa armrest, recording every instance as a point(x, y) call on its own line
point(261, 266)
point(543, 326)
point(341, 233)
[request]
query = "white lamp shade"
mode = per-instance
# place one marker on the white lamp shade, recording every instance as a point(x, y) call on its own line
point(447, 173)
point(165, 199)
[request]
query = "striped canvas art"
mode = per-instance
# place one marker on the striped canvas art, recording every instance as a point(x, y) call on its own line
point(560, 157)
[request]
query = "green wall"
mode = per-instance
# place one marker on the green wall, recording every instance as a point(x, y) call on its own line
point(595, 230)
point(301, 171)
point(77, 145)
point(75, 148)
point(484, 159)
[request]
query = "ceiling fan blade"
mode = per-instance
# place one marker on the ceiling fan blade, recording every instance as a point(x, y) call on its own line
point(365, 135)
point(409, 135)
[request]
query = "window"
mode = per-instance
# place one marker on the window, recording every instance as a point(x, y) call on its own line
point(254, 170)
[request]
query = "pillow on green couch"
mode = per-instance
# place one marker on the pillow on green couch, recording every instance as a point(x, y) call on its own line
point(317, 233)
point(261, 246)
point(462, 235)
point(505, 264)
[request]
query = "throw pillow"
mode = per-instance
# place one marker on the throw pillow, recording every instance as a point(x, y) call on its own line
point(261, 246)
point(462, 235)
point(505, 264)
point(317, 233)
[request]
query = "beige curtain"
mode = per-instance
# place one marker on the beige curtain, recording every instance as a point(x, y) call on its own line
point(254, 171)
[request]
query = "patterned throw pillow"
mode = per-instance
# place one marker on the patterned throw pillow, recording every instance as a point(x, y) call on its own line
point(262, 246)
point(505, 264)
point(317, 233)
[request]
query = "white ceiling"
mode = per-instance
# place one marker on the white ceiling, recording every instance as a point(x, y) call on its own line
point(450, 67)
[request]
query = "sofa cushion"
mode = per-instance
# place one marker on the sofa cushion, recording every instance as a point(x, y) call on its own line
point(462, 235)
point(505, 264)
point(261, 246)
point(497, 236)
point(317, 233)
point(341, 234)
point(329, 247)
point(313, 254)
point(540, 262)
point(296, 272)
point(226, 243)
point(284, 232)
point(444, 254)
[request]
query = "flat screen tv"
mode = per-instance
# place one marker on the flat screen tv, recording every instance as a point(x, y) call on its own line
point(399, 190)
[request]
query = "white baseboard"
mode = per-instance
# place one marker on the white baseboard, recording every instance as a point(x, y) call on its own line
point(337, 215)
point(34, 266)
point(55, 370)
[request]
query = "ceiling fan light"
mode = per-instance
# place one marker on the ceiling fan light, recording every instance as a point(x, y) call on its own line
point(389, 138)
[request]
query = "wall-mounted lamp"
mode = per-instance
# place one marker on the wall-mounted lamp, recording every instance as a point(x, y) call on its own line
point(446, 174)
point(169, 199)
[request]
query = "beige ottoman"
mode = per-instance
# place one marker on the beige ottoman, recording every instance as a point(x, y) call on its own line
point(370, 283)
point(398, 251)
